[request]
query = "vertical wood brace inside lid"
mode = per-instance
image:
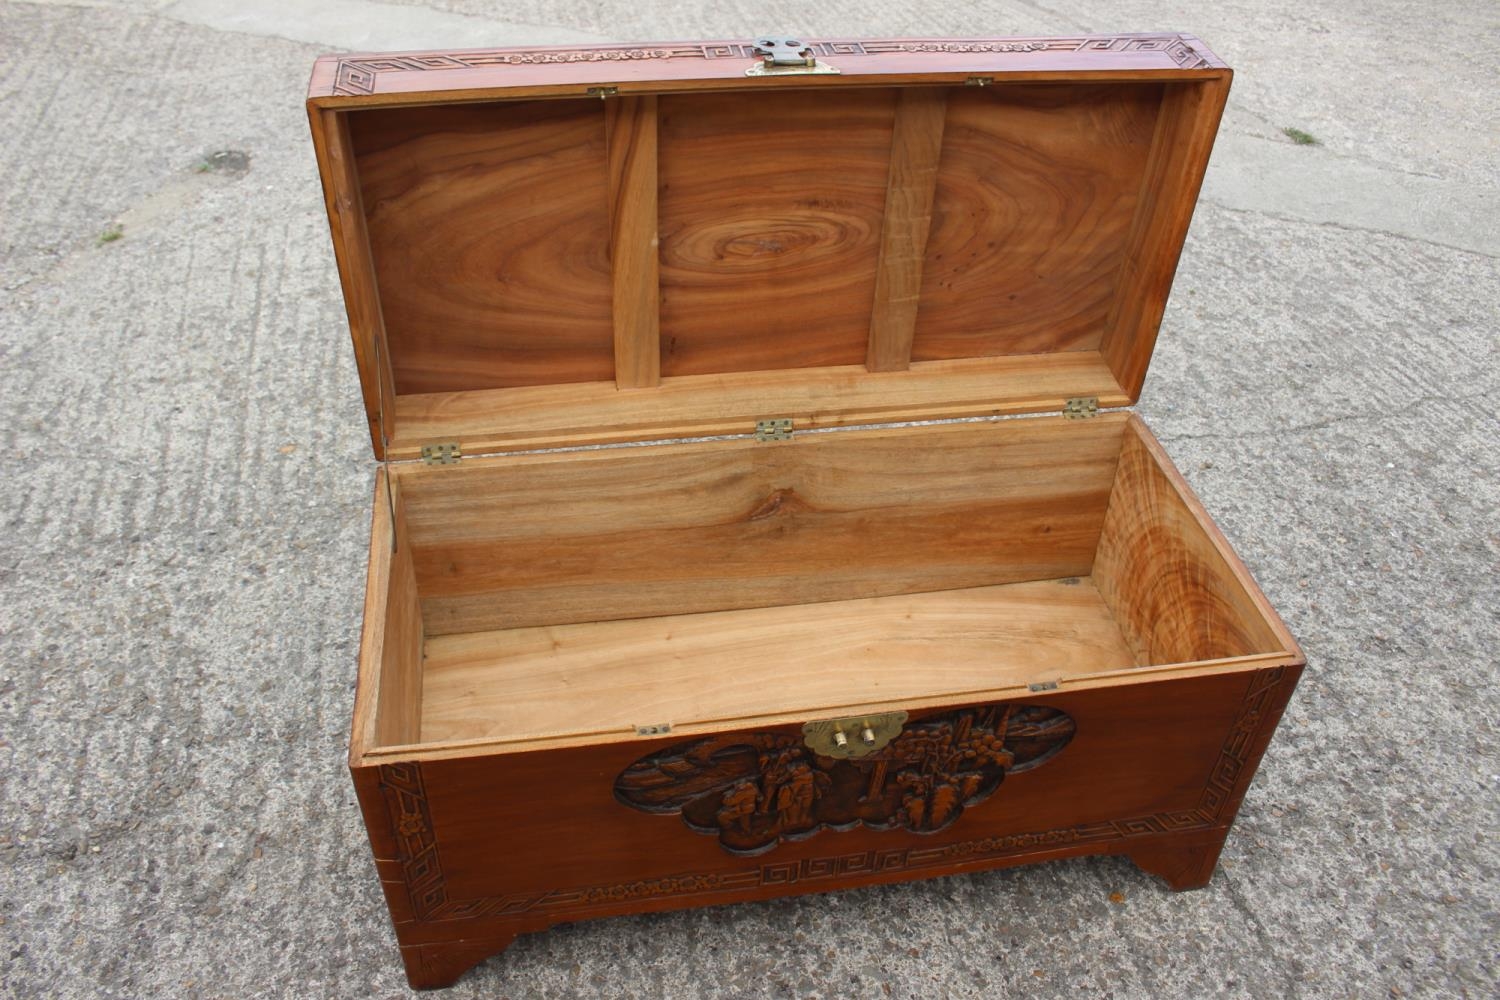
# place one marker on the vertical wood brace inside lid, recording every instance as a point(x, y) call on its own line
point(630, 141)
point(916, 144)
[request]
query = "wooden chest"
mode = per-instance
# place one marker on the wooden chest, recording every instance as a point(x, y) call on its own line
point(906, 593)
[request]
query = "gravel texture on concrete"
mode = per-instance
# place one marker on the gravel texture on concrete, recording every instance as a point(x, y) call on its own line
point(185, 488)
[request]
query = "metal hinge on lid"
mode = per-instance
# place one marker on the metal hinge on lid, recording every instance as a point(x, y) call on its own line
point(603, 92)
point(654, 729)
point(1081, 407)
point(777, 429)
point(783, 56)
point(442, 453)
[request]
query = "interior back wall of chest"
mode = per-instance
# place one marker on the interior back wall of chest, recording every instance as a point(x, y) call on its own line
point(490, 227)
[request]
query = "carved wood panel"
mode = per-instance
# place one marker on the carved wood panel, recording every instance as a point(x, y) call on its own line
point(422, 870)
point(357, 75)
point(756, 790)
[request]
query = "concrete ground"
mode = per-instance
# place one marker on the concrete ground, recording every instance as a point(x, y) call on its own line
point(185, 483)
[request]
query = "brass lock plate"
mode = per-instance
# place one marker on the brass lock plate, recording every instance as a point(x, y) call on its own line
point(782, 56)
point(856, 736)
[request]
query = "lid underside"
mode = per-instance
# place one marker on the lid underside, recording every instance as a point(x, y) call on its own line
point(675, 260)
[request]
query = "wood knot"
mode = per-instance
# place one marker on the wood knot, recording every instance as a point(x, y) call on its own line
point(784, 501)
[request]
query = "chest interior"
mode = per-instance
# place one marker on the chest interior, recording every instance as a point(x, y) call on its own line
point(546, 272)
point(557, 598)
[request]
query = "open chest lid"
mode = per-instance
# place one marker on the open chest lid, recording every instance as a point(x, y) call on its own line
point(564, 246)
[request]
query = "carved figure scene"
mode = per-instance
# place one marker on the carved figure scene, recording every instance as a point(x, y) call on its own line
point(755, 790)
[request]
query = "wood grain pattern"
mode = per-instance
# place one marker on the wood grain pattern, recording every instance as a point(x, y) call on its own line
point(535, 608)
point(1034, 201)
point(803, 659)
point(552, 539)
point(490, 231)
point(398, 719)
point(1177, 589)
point(1153, 767)
point(478, 74)
point(1156, 757)
point(351, 248)
point(510, 255)
point(756, 790)
point(1180, 867)
point(388, 700)
point(916, 143)
point(770, 225)
point(630, 138)
point(698, 405)
point(436, 966)
point(1184, 138)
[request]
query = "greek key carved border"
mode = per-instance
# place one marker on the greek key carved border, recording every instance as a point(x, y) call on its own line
point(357, 75)
point(411, 821)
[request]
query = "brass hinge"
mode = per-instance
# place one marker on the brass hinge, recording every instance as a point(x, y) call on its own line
point(1043, 686)
point(777, 429)
point(603, 92)
point(1081, 407)
point(979, 81)
point(656, 729)
point(442, 453)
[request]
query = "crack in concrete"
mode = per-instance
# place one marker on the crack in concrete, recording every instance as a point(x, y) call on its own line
point(1238, 901)
point(1346, 227)
point(1311, 184)
point(1378, 416)
point(351, 25)
point(1059, 15)
point(1276, 136)
point(367, 25)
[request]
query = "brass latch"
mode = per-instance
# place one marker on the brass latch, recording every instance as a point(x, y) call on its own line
point(442, 453)
point(1081, 407)
point(777, 429)
point(858, 736)
point(782, 56)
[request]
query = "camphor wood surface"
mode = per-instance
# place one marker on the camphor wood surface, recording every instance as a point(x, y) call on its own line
point(368, 79)
point(1185, 130)
point(595, 413)
point(946, 229)
point(640, 532)
point(802, 658)
point(490, 231)
point(916, 145)
point(630, 140)
point(1153, 770)
point(1033, 207)
point(770, 228)
point(388, 701)
point(1177, 588)
point(843, 233)
point(589, 592)
point(351, 248)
